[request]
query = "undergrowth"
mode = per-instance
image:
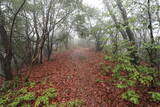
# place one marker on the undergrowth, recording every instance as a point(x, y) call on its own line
point(24, 98)
point(129, 76)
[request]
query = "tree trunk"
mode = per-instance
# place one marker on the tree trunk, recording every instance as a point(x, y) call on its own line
point(6, 60)
point(129, 32)
point(7, 43)
point(152, 52)
point(123, 33)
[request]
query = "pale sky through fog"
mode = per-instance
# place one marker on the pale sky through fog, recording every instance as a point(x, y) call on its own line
point(94, 3)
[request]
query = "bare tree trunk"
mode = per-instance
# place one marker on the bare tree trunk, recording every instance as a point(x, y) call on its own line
point(50, 46)
point(6, 60)
point(123, 33)
point(41, 49)
point(35, 56)
point(125, 19)
point(151, 52)
point(7, 44)
point(128, 31)
point(46, 31)
point(150, 23)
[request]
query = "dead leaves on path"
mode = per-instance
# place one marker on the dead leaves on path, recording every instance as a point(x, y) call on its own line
point(74, 74)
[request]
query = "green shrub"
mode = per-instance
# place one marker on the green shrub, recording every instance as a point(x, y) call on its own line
point(105, 69)
point(3, 101)
point(53, 105)
point(72, 103)
point(75, 103)
point(22, 91)
point(131, 96)
point(51, 93)
point(121, 86)
point(155, 96)
point(44, 99)
point(22, 98)
point(127, 74)
point(99, 81)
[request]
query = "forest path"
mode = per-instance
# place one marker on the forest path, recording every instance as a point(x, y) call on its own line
point(75, 74)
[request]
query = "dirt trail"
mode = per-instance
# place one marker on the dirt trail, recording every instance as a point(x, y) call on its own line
point(75, 73)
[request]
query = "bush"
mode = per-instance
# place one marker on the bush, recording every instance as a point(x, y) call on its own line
point(131, 96)
point(155, 96)
point(128, 75)
point(44, 99)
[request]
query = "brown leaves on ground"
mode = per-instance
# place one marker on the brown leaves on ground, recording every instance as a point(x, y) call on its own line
point(76, 74)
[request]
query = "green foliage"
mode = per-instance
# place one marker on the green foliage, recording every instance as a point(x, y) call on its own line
point(131, 96)
point(72, 103)
point(32, 84)
point(44, 99)
point(108, 58)
point(75, 103)
point(155, 96)
point(131, 73)
point(50, 93)
point(121, 86)
point(99, 81)
point(152, 47)
point(14, 98)
point(127, 75)
point(53, 105)
point(3, 101)
point(22, 91)
point(105, 69)
point(22, 97)
point(27, 97)
point(145, 75)
point(130, 82)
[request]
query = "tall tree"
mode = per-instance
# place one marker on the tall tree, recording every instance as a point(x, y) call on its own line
point(6, 40)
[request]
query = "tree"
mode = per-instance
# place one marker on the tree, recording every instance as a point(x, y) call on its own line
point(7, 43)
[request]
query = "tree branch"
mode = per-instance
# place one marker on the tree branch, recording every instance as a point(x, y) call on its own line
point(14, 19)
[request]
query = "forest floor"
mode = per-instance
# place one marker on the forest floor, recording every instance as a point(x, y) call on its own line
point(76, 74)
